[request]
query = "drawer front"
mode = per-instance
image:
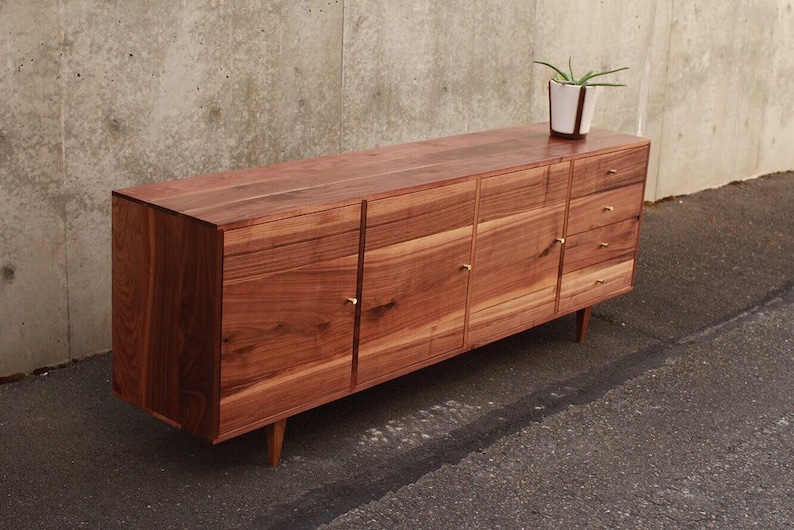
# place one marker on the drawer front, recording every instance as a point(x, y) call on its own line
point(596, 283)
point(601, 209)
point(613, 170)
point(601, 244)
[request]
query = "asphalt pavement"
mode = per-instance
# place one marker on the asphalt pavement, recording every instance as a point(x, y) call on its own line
point(676, 412)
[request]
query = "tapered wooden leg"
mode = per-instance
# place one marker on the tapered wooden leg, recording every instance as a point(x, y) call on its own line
point(274, 433)
point(582, 321)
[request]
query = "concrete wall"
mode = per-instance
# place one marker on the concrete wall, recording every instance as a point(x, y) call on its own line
point(101, 95)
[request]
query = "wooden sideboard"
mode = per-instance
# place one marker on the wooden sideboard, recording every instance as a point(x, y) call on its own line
point(243, 298)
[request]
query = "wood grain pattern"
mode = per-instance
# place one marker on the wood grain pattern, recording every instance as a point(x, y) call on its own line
point(517, 256)
point(131, 298)
point(267, 400)
point(518, 313)
point(286, 316)
point(613, 170)
point(414, 284)
point(246, 197)
point(337, 168)
point(286, 319)
point(269, 248)
point(601, 244)
point(166, 313)
point(601, 209)
point(424, 213)
point(522, 191)
point(596, 283)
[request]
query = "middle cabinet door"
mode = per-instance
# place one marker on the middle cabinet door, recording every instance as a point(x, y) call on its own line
point(417, 261)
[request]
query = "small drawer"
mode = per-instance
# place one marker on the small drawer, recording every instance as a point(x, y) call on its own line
point(601, 209)
point(601, 244)
point(613, 170)
point(596, 283)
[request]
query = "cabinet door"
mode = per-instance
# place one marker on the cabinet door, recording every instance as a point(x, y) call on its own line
point(415, 280)
point(517, 259)
point(287, 325)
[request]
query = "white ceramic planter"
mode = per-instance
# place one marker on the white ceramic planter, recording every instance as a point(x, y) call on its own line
point(564, 105)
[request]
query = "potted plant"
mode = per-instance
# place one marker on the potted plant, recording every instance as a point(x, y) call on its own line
point(572, 100)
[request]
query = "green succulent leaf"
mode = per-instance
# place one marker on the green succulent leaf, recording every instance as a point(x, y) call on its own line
point(570, 79)
point(592, 73)
point(563, 75)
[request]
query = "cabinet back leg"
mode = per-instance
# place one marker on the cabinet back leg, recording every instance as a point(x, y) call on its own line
point(582, 321)
point(274, 434)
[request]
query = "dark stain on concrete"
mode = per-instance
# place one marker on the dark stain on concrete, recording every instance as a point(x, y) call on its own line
point(8, 273)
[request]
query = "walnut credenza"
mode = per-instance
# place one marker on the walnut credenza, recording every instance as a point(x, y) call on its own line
point(243, 298)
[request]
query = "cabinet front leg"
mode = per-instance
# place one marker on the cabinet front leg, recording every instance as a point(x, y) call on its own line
point(274, 433)
point(582, 321)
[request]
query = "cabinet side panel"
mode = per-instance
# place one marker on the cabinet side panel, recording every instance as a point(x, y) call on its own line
point(195, 328)
point(131, 298)
point(166, 291)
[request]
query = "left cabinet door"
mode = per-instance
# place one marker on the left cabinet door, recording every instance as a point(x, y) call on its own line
point(288, 316)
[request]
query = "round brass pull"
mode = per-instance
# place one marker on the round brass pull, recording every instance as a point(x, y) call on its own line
point(605, 245)
point(609, 208)
point(560, 240)
point(466, 266)
point(353, 301)
point(601, 281)
point(613, 171)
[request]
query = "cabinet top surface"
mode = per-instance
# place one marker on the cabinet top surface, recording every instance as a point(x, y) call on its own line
point(249, 196)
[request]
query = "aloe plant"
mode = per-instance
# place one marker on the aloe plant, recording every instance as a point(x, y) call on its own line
point(567, 78)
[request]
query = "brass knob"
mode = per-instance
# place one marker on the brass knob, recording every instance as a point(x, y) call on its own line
point(609, 208)
point(613, 171)
point(605, 245)
point(601, 281)
point(353, 301)
point(466, 266)
point(560, 240)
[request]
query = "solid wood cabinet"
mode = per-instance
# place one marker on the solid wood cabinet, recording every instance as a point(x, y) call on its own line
point(243, 298)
